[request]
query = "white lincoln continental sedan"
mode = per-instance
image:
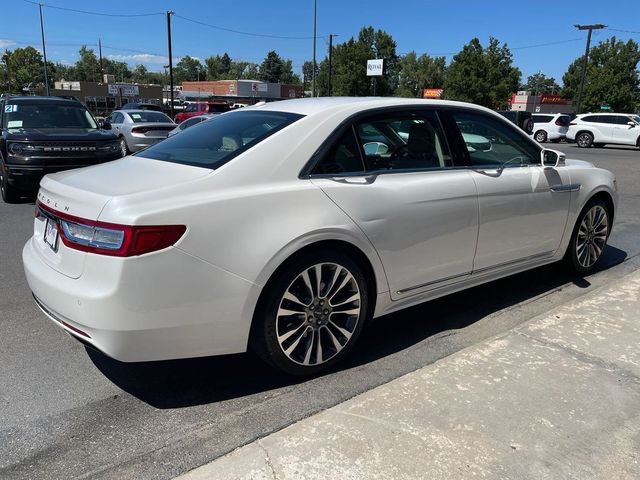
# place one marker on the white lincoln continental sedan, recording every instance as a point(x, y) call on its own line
point(285, 227)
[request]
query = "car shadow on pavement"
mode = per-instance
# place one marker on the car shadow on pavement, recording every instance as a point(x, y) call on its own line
point(198, 381)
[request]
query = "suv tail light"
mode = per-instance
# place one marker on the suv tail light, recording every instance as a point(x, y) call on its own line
point(112, 239)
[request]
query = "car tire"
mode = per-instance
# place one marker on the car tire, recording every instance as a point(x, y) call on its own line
point(541, 136)
point(584, 140)
point(9, 193)
point(589, 237)
point(328, 315)
point(124, 148)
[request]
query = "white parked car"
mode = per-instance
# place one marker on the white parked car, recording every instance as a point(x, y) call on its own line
point(550, 127)
point(272, 228)
point(599, 129)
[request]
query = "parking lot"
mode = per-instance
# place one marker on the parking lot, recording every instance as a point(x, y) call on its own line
point(68, 412)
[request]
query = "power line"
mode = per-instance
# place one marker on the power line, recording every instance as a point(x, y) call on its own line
point(621, 30)
point(100, 14)
point(240, 32)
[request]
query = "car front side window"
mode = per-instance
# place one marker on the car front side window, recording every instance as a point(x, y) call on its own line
point(491, 142)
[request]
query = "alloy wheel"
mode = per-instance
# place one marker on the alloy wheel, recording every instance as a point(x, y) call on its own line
point(123, 147)
point(592, 236)
point(541, 136)
point(318, 314)
point(584, 140)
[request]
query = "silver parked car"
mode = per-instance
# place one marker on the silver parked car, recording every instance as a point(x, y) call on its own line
point(190, 122)
point(138, 129)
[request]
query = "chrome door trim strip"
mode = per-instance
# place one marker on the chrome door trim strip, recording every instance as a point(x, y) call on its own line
point(537, 256)
point(434, 282)
point(572, 187)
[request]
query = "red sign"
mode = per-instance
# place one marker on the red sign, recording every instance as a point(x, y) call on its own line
point(554, 99)
point(432, 92)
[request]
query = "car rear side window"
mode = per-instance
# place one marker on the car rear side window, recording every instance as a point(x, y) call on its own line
point(343, 157)
point(149, 116)
point(220, 139)
point(542, 118)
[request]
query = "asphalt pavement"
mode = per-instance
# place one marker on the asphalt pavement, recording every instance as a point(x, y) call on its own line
point(70, 413)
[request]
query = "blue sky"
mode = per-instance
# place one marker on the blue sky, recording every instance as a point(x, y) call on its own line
point(424, 26)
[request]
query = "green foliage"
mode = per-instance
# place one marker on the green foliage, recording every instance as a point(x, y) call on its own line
point(540, 83)
point(275, 69)
point(419, 72)
point(188, 69)
point(484, 76)
point(612, 77)
point(26, 69)
point(219, 67)
point(350, 65)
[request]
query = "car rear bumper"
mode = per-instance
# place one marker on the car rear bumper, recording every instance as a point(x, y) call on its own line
point(159, 306)
point(136, 144)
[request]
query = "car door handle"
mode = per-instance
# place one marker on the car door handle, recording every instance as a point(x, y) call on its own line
point(572, 187)
point(356, 180)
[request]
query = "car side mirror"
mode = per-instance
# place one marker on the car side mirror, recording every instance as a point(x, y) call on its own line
point(631, 124)
point(105, 125)
point(552, 158)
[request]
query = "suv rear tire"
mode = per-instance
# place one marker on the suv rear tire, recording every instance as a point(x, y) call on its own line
point(584, 140)
point(541, 136)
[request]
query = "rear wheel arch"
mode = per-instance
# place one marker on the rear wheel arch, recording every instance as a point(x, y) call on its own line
point(263, 333)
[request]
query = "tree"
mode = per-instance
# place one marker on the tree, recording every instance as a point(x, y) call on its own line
point(188, 69)
point(540, 83)
point(219, 67)
point(482, 75)
point(27, 69)
point(307, 73)
point(350, 65)
point(419, 72)
point(140, 74)
point(87, 68)
point(272, 68)
point(612, 77)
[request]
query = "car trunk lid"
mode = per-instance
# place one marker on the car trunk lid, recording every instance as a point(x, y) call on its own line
point(83, 193)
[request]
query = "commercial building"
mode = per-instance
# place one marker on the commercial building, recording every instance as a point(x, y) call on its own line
point(545, 103)
point(240, 91)
point(102, 98)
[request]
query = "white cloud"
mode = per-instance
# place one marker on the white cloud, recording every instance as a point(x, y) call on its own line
point(140, 58)
point(4, 43)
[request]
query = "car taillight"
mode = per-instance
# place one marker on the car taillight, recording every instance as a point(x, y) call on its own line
point(113, 239)
point(140, 130)
point(572, 123)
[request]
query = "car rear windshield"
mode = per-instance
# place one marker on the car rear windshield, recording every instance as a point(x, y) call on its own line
point(563, 120)
point(212, 143)
point(149, 116)
point(24, 116)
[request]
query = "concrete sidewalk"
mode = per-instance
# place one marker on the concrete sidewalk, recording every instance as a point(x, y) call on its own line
point(557, 397)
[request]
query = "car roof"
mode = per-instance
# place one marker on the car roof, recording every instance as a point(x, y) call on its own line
point(607, 114)
point(41, 100)
point(312, 106)
point(139, 110)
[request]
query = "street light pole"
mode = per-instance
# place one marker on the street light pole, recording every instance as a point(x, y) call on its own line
point(313, 75)
point(44, 51)
point(169, 13)
point(590, 28)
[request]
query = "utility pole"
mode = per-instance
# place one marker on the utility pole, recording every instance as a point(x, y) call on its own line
point(7, 59)
point(330, 63)
point(101, 65)
point(313, 75)
point(169, 13)
point(590, 28)
point(44, 51)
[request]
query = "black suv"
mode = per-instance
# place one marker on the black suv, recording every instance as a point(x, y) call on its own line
point(43, 135)
point(520, 118)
